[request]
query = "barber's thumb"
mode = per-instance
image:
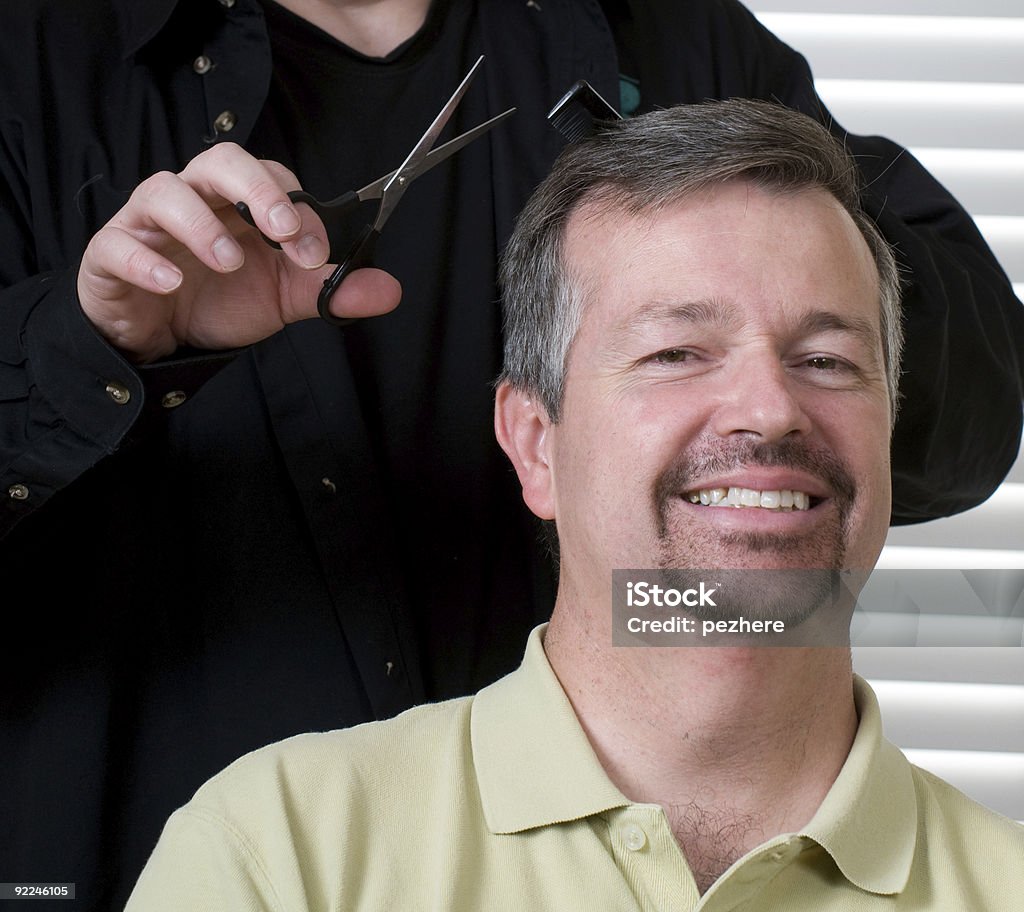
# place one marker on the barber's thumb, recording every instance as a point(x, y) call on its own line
point(366, 293)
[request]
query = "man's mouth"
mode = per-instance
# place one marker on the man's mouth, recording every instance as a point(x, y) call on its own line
point(782, 501)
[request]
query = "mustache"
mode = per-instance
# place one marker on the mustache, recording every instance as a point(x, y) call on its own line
point(722, 457)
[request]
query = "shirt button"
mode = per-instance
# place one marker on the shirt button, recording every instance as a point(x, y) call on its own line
point(120, 394)
point(17, 492)
point(202, 64)
point(173, 399)
point(225, 121)
point(634, 837)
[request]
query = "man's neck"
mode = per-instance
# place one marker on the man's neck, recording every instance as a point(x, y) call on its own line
point(371, 27)
point(736, 744)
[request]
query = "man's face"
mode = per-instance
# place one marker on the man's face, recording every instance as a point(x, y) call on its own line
point(729, 350)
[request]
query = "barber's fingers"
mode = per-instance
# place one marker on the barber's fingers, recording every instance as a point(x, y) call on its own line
point(308, 246)
point(165, 206)
point(227, 174)
point(116, 256)
point(141, 243)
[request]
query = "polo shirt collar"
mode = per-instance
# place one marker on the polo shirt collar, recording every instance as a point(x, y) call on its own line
point(533, 761)
point(535, 767)
point(868, 820)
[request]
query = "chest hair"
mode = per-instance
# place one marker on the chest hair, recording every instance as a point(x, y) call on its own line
point(712, 839)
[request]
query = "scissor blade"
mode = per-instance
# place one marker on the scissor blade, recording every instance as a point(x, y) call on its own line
point(435, 156)
point(410, 168)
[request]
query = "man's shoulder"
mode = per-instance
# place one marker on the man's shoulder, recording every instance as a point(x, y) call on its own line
point(318, 769)
point(966, 850)
point(346, 813)
point(945, 807)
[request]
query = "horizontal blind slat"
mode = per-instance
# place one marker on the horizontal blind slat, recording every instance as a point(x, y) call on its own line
point(985, 181)
point(998, 523)
point(923, 557)
point(989, 115)
point(952, 716)
point(984, 665)
point(905, 47)
point(1007, 8)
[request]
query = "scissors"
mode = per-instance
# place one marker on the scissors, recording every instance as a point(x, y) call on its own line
point(389, 189)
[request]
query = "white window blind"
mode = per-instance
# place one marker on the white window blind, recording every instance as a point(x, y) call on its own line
point(945, 79)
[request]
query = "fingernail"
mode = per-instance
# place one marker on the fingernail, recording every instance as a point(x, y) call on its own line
point(312, 251)
point(283, 219)
point(227, 253)
point(166, 277)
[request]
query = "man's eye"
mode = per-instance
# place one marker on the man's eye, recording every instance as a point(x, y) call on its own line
point(823, 363)
point(674, 356)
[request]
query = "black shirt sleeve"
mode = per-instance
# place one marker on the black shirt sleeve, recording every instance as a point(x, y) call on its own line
point(66, 397)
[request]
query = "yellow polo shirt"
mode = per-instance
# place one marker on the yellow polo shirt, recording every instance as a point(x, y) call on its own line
point(497, 802)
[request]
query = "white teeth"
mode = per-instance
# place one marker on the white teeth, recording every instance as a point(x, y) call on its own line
point(747, 497)
point(750, 497)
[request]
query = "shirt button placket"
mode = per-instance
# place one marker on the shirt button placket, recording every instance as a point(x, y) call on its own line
point(633, 837)
point(118, 392)
point(227, 119)
point(225, 122)
point(18, 492)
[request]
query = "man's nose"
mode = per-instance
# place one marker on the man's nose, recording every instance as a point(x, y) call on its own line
point(761, 398)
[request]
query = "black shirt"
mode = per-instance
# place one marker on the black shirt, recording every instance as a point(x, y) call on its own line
point(324, 532)
point(421, 374)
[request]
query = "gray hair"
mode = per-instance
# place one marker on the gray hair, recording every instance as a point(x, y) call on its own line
point(642, 165)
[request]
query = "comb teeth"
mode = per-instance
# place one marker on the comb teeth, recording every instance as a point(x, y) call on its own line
point(573, 124)
point(580, 112)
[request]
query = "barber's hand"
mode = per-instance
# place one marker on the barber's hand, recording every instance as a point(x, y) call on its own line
point(178, 265)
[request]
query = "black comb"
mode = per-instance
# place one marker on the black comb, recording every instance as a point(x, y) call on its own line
point(580, 112)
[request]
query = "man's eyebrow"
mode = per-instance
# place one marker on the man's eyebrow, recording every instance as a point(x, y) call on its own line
point(661, 313)
point(725, 315)
point(829, 321)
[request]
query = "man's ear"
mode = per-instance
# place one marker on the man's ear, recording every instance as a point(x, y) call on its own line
point(521, 425)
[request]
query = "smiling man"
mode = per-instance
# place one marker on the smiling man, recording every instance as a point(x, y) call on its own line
point(712, 361)
point(702, 351)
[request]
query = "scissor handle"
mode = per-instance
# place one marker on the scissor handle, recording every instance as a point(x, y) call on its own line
point(360, 256)
point(327, 211)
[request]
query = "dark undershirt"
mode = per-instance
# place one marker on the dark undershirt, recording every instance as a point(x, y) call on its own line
point(423, 373)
